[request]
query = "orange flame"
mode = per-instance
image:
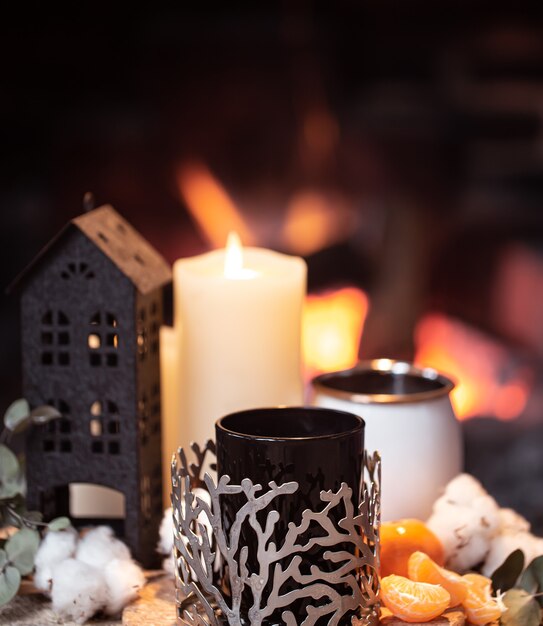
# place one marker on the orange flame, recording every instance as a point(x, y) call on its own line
point(331, 329)
point(211, 207)
point(477, 365)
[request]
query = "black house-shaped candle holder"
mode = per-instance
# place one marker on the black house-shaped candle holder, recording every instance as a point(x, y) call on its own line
point(92, 306)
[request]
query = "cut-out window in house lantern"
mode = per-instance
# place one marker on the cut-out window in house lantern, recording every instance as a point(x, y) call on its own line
point(103, 339)
point(105, 428)
point(59, 431)
point(77, 270)
point(91, 307)
point(55, 338)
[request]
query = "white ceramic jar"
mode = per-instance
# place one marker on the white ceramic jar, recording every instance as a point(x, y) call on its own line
point(409, 420)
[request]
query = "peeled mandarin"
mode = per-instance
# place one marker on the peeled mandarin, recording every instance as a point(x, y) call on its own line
point(481, 608)
point(400, 539)
point(412, 601)
point(422, 569)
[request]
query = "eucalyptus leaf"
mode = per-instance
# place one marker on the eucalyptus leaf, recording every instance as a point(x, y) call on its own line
point(505, 577)
point(522, 609)
point(3, 559)
point(532, 578)
point(21, 549)
point(18, 412)
point(43, 414)
point(11, 478)
point(9, 465)
point(10, 579)
point(59, 523)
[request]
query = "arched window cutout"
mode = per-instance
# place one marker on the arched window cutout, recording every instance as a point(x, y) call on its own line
point(77, 270)
point(104, 428)
point(96, 502)
point(55, 338)
point(103, 339)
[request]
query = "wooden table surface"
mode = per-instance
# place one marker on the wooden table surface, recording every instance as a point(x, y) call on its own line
point(154, 607)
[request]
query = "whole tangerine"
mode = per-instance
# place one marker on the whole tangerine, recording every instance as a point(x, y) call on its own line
point(399, 539)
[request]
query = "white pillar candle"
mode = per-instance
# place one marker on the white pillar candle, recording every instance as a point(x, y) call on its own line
point(240, 311)
point(170, 394)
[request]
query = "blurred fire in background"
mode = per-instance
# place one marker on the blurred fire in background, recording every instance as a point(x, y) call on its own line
point(396, 146)
point(332, 326)
point(487, 382)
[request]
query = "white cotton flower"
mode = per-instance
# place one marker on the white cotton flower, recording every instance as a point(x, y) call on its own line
point(78, 590)
point(123, 579)
point(511, 521)
point(452, 525)
point(165, 544)
point(168, 565)
point(57, 546)
point(505, 543)
point(463, 489)
point(99, 546)
point(473, 529)
point(465, 530)
point(471, 553)
point(487, 514)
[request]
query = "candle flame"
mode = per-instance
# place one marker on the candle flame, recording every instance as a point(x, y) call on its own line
point(233, 259)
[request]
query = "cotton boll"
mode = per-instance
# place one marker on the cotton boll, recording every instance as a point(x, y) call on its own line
point(471, 553)
point(99, 546)
point(508, 542)
point(486, 508)
point(463, 490)
point(451, 524)
point(123, 579)
point(57, 546)
point(165, 544)
point(511, 521)
point(168, 565)
point(78, 591)
point(464, 533)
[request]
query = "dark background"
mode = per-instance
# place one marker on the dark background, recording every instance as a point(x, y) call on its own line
point(425, 119)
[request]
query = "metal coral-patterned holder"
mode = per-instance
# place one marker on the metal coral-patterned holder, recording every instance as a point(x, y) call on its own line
point(212, 575)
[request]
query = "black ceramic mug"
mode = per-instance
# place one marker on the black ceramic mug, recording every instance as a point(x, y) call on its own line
point(317, 448)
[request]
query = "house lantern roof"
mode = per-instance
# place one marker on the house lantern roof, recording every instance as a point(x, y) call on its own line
point(119, 241)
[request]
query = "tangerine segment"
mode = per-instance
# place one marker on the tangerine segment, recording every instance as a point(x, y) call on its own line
point(412, 601)
point(479, 582)
point(423, 569)
point(481, 607)
point(400, 539)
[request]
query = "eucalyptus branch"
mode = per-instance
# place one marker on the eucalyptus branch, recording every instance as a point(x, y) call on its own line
point(24, 521)
point(5, 435)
